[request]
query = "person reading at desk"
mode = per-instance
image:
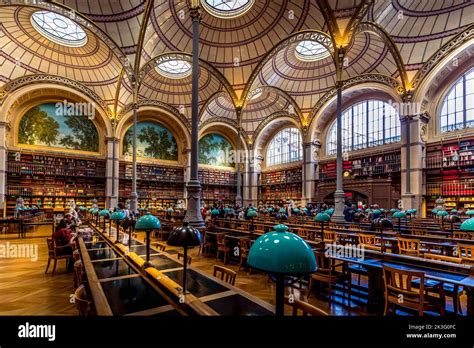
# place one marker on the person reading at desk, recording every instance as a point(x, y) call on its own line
point(64, 237)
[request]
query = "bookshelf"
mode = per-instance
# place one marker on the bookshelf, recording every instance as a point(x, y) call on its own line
point(218, 185)
point(281, 185)
point(51, 181)
point(157, 185)
point(450, 174)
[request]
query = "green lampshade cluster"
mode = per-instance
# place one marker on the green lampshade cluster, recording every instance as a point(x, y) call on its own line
point(148, 222)
point(296, 211)
point(82, 208)
point(170, 210)
point(104, 212)
point(411, 211)
point(322, 217)
point(470, 212)
point(282, 211)
point(118, 215)
point(434, 211)
point(329, 211)
point(393, 210)
point(270, 210)
point(282, 252)
point(399, 215)
point(442, 213)
point(215, 212)
point(251, 213)
point(468, 225)
point(376, 213)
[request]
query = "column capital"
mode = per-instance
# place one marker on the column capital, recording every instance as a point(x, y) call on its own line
point(195, 13)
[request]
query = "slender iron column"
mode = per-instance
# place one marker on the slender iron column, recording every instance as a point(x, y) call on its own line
point(339, 194)
point(238, 198)
point(193, 213)
point(408, 156)
point(134, 193)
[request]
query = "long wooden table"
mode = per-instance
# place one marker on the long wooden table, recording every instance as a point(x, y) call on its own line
point(111, 266)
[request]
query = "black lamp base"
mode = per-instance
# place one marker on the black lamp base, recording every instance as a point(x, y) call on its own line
point(147, 264)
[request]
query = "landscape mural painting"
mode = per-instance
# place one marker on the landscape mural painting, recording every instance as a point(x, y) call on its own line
point(153, 141)
point(215, 150)
point(49, 125)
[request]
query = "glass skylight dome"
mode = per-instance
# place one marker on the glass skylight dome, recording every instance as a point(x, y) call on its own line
point(59, 29)
point(227, 8)
point(174, 68)
point(311, 51)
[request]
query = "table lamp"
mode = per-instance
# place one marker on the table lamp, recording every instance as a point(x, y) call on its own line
point(185, 236)
point(452, 219)
point(322, 218)
point(169, 212)
point(453, 211)
point(411, 212)
point(434, 212)
point(329, 211)
point(148, 223)
point(468, 225)
point(399, 215)
point(117, 216)
point(441, 214)
point(281, 253)
point(381, 224)
point(281, 214)
point(376, 213)
point(104, 213)
point(470, 212)
point(251, 213)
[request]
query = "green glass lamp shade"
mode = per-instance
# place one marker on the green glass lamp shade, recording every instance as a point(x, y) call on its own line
point(305, 209)
point(382, 223)
point(104, 212)
point(270, 210)
point(393, 210)
point(148, 222)
point(442, 213)
point(185, 236)
point(399, 215)
point(468, 225)
point(383, 210)
point(329, 211)
point(82, 208)
point(95, 211)
point(282, 211)
point(170, 210)
point(226, 210)
point(282, 252)
point(376, 213)
point(411, 211)
point(215, 212)
point(118, 215)
point(322, 217)
point(470, 212)
point(91, 210)
point(454, 211)
point(434, 211)
point(252, 213)
point(296, 211)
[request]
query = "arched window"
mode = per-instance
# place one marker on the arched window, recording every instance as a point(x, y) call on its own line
point(366, 124)
point(285, 147)
point(457, 111)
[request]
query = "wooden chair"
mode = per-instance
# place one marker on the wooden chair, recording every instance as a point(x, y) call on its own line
point(160, 246)
point(466, 253)
point(369, 241)
point(206, 245)
point(304, 307)
point(225, 274)
point(329, 236)
point(452, 290)
point(244, 246)
point(57, 253)
point(326, 273)
point(181, 255)
point(222, 246)
point(354, 227)
point(399, 292)
point(259, 228)
point(418, 232)
point(78, 274)
point(461, 235)
point(409, 246)
point(303, 233)
point(82, 301)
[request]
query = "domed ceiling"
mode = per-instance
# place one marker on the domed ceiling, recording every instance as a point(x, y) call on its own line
point(272, 57)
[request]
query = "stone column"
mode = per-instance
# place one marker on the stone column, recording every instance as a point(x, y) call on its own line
point(193, 212)
point(412, 154)
point(187, 172)
point(310, 160)
point(112, 173)
point(3, 163)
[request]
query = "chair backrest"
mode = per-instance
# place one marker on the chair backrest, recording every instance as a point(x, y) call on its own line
point(466, 253)
point(329, 236)
point(418, 232)
point(304, 307)
point(161, 246)
point(461, 235)
point(303, 233)
point(220, 237)
point(51, 246)
point(409, 246)
point(259, 228)
point(81, 300)
point(323, 263)
point(225, 274)
point(445, 258)
point(398, 288)
point(366, 239)
point(181, 255)
point(244, 245)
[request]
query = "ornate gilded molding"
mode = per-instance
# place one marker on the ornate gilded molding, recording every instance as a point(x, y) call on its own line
point(59, 80)
point(443, 52)
point(312, 35)
point(377, 78)
point(211, 120)
point(373, 27)
point(157, 104)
